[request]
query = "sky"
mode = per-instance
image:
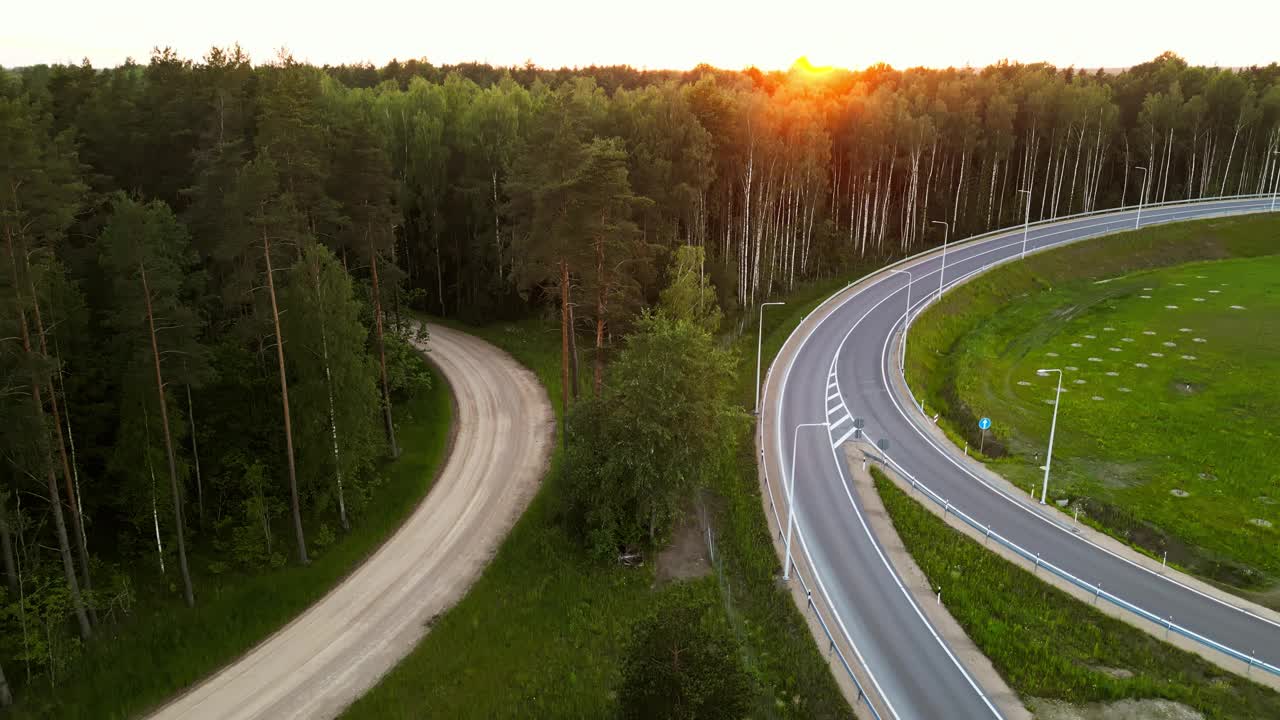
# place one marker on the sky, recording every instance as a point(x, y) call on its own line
point(654, 34)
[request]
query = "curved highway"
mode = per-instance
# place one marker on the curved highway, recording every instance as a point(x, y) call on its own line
point(839, 365)
point(335, 651)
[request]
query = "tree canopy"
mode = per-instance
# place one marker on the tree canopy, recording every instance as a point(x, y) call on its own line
point(207, 266)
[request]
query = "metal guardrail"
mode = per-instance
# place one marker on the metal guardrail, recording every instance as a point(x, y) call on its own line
point(1013, 228)
point(832, 645)
point(1095, 590)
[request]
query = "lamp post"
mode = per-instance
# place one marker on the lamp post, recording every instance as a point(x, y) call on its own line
point(946, 232)
point(791, 494)
point(1142, 194)
point(759, 342)
point(1275, 186)
point(902, 356)
point(1057, 400)
point(1026, 223)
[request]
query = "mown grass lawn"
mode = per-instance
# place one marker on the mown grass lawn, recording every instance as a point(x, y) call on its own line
point(544, 630)
point(1166, 432)
point(164, 647)
point(1047, 644)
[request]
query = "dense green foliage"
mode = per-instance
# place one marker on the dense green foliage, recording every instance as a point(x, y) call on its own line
point(163, 647)
point(1164, 436)
point(472, 192)
point(662, 426)
point(544, 631)
point(1047, 644)
point(683, 661)
point(159, 295)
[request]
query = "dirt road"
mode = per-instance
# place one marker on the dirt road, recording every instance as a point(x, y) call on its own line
point(326, 658)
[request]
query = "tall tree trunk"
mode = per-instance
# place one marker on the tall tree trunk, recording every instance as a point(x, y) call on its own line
point(187, 593)
point(573, 353)
point(195, 456)
point(284, 401)
point(72, 501)
point(6, 548)
point(6, 697)
point(155, 510)
point(598, 379)
point(55, 501)
point(497, 227)
point(333, 415)
point(1226, 172)
point(75, 473)
point(382, 351)
point(564, 342)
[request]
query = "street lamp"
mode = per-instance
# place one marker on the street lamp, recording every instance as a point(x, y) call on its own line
point(1057, 400)
point(759, 341)
point(946, 232)
point(1275, 186)
point(1026, 224)
point(791, 494)
point(1142, 194)
point(902, 357)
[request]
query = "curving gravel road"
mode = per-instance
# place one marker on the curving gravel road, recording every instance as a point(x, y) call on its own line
point(326, 658)
point(837, 366)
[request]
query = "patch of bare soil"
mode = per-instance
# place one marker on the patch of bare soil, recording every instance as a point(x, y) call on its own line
point(686, 555)
point(1118, 673)
point(1121, 710)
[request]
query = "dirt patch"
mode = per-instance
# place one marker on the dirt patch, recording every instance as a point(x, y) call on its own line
point(1122, 710)
point(1117, 673)
point(1113, 474)
point(686, 555)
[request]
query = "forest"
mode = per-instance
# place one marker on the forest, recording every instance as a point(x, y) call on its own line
point(209, 267)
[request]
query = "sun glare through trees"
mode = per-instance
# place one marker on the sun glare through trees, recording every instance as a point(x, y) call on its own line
point(247, 293)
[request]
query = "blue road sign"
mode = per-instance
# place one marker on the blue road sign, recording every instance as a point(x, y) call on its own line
point(984, 423)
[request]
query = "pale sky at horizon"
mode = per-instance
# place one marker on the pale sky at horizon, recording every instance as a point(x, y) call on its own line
point(675, 34)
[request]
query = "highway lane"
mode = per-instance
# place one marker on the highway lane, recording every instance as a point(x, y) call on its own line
point(840, 369)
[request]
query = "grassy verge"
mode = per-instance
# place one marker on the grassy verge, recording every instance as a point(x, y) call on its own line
point(1049, 645)
point(158, 653)
point(543, 631)
point(1169, 340)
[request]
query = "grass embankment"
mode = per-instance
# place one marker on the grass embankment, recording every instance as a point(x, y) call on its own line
point(1047, 644)
point(161, 651)
point(1170, 343)
point(543, 632)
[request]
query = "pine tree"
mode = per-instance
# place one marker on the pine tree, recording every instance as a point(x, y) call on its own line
point(267, 224)
point(39, 195)
point(145, 250)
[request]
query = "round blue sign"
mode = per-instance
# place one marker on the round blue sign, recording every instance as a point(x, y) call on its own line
point(984, 423)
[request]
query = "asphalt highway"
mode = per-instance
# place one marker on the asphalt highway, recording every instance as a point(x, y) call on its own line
point(840, 365)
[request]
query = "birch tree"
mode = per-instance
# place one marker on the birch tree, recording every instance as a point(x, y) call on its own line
point(145, 250)
point(334, 381)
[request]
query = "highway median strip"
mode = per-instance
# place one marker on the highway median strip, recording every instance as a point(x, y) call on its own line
point(1050, 646)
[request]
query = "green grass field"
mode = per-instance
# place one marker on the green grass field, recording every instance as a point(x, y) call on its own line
point(164, 649)
point(542, 633)
point(1166, 431)
point(1049, 645)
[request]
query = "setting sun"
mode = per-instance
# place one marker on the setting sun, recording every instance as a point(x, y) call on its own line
point(803, 68)
point(404, 359)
